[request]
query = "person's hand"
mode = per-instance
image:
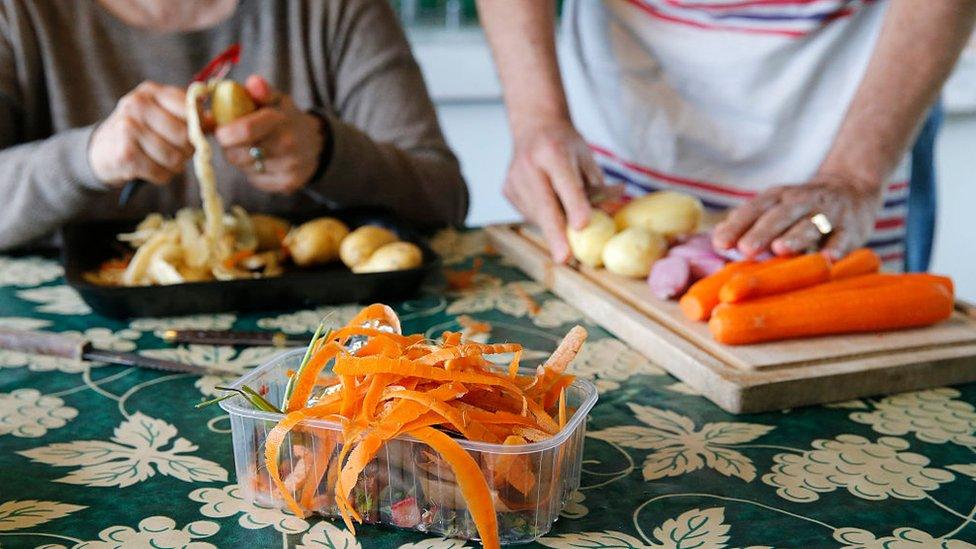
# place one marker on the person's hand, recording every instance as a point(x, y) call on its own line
point(144, 137)
point(277, 146)
point(548, 181)
point(779, 218)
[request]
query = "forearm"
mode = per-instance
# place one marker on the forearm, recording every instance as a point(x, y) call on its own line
point(43, 185)
point(522, 38)
point(422, 184)
point(916, 50)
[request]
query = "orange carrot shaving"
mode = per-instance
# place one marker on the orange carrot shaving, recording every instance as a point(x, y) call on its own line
point(530, 303)
point(472, 326)
point(859, 262)
point(236, 258)
point(562, 408)
point(462, 280)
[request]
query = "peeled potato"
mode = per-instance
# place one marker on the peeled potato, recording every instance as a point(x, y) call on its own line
point(230, 101)
point(587, 243)
point(269, 230)
point(632, 251)
point(316, 241)
point(395, 256)
point(666, 212)
point(361, 243)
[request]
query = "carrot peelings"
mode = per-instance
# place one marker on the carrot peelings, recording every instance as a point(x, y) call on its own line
point(384, 384)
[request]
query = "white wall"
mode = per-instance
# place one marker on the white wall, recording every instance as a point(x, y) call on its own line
point(955, 237)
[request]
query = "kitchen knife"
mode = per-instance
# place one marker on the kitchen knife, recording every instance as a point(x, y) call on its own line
point(77, 348)
point(216, 69)
point(232, 337)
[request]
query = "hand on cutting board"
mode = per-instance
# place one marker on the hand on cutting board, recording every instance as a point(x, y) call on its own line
point(290, 141)
point(549, 180)
point(144, 137)
point(779, 219)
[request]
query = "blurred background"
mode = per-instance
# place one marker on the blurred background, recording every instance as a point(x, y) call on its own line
point(456, 62)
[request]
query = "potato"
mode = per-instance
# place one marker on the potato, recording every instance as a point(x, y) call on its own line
point(230, 101)
point(669, 213)
point(632, 251)
point(316, 241)
point(361, 243)
point(270, 230)
point(395, 256)
point(587, 243)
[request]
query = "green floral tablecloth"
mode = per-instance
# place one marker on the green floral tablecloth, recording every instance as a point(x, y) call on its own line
point(101, 456)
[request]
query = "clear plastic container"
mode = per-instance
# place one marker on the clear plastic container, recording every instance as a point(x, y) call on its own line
point(407, 485)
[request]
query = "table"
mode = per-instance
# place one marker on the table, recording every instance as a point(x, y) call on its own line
point(104, 456)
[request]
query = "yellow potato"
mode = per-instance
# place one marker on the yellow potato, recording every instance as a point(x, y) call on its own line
point(269, 230)
point(316, 241)
point(230, 101)
point(632, 251)
point(587, 243)
point(361, 243)
point(666, 212)
point(395, 256)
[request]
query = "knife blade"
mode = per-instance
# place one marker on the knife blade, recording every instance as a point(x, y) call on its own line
point(77, 348)
point(216, 69)
point(232, 337)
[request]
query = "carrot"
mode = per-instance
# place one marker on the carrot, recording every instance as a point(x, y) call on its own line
point(462, 280)
point(236, 257)
point(470, 480)
point(859, 262)
point(473, 326)
point(702, 296)
point(792, 274)
point(870, 281)
point(906, 304)
point(530, 303)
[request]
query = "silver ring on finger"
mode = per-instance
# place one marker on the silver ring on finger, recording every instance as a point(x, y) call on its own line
point(258, 155)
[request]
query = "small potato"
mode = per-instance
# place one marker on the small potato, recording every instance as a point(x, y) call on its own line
point(587, 243)
point(632, 251)
point(270, 230)
point(230, 101)
point(669, 213)
point(316, 242)
point(395, 256)
point(361, 243)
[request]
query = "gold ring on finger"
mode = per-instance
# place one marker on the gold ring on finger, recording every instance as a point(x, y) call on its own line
point(823, 225)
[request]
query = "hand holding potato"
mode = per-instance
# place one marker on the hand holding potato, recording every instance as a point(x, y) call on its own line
point(144, 138)
point(290, 141)
point(587, 243)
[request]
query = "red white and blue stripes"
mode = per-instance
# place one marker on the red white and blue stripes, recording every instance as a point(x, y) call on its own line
point(790, 18)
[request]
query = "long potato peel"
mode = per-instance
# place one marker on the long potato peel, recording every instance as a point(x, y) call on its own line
point(384, 384)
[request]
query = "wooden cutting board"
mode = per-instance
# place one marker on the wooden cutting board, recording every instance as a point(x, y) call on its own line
point(750, 378)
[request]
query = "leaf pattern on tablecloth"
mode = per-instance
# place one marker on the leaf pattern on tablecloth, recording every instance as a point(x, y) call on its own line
point(609, 362)
point(227, 502)
point(680, 448)
point(490, 293)
point(62, 300)
point(609, 539)
point(968, 469)
point(102, 338)
point(693, 529)
point(23, 323)
point(901, 538)
point(683, 388)
point(555, 313)
point(307, 321)
point(574, 508)
point(934, 416)
point(455, 246)
point(134, 454)
point(28, 271)
point(191, 322)
point(20, 514)
point(868, 470)
point(27, 413)
point(155, 531)
point(325, 535)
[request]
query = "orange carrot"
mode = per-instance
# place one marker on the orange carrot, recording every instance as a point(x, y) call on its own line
point(792, 274)
point(470, 480)
point(530, 303)
point(906, 304)
point(869, 281)
point(236, 258)
point(859, 262)
point(702, 297)
point(462, 280)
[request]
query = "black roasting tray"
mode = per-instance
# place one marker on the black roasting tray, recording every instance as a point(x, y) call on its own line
point(85, 245)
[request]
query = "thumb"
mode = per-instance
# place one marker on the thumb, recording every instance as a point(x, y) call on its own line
point(261, 92)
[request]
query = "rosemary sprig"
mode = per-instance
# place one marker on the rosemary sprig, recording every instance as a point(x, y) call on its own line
point(248, 393)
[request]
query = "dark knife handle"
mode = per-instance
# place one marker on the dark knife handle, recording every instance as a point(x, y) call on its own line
point(277, 339)
point(42, 343)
